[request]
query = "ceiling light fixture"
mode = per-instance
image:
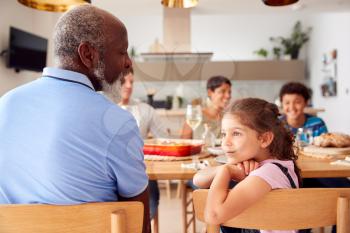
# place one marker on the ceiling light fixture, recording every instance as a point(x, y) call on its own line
point(179, 3)
point(279, 2)
point(53, 5)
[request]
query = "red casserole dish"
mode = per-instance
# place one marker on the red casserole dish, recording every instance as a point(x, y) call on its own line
point(172, 147)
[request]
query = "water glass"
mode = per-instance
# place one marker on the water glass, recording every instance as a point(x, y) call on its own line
point(304, 137)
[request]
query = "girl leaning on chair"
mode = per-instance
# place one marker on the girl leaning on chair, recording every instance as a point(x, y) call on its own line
point(260, 157)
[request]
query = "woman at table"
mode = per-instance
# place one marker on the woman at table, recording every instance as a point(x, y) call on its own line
point(294, 97)
point(219, 95)
point(146, 119)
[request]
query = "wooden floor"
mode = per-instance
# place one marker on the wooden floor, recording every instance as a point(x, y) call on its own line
point(170, 214)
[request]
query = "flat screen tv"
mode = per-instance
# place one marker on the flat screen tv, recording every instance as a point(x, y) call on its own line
point(27, 51)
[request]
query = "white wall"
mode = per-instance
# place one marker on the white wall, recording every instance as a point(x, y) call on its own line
point(37, 22)
point(237, 36)
point(227, 36)
point(332, 31)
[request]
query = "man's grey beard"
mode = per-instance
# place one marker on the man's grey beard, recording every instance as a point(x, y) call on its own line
point(112, 91)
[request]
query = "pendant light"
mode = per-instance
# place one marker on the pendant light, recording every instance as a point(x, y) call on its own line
point(279, 2)
point(179, 3)
point(52, 5)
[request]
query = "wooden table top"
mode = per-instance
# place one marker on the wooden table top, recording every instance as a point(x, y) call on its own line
point(310, 167)
point(314, 167)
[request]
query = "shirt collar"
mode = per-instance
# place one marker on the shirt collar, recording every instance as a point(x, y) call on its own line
point(68, 75)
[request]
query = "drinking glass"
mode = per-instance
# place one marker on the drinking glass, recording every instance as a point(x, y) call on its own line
point(194, 119)
point(193, 116)
point(304, 137)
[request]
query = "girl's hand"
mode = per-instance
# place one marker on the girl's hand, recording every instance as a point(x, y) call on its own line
point(237, 172)
point(248, 166)
point(241, 170)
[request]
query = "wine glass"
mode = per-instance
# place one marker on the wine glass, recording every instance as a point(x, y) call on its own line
point(193, 116)
point(194, 119)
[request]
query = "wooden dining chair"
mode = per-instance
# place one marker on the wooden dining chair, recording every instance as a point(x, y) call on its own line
point(289, 209)
point(103, 217)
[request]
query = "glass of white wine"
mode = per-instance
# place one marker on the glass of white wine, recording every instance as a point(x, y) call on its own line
point(193, 116)
point(194, 119)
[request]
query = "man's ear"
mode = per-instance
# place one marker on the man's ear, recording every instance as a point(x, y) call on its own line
point(266, 139)
point(88, 55)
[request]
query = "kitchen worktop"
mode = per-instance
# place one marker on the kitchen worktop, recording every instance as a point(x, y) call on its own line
point(181, 112)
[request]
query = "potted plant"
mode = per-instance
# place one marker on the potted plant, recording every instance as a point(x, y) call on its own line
point(262, 52)
point(292, 45)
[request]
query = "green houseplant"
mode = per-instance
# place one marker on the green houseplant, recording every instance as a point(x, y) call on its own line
point(262, 52)
point(292, 45)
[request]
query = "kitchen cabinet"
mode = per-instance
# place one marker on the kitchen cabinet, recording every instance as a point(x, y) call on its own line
point(173, 70)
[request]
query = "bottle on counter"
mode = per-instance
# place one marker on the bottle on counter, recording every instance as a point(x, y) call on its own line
point(176, 102)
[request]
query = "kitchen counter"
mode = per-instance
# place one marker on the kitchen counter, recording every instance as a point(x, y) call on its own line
point(175, 118)
point(181, 112)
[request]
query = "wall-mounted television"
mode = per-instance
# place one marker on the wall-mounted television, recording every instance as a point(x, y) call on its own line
point(26, 51)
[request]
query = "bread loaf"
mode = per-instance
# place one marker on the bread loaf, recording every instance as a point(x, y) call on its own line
point(332, 140)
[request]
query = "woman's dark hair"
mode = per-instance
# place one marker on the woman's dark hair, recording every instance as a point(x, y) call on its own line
point(295, 88)
point(130, 71)
point(262, 116)
point(216, 81)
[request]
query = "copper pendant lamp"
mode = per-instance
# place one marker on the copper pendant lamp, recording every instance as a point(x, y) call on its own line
point(279, 2)
point(179, 3)
point(52, 5)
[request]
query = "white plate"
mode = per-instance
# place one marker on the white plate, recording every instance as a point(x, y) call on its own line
point(215, 151)
point(221, 159)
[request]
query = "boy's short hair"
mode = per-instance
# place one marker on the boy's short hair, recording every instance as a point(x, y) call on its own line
point(295, 88)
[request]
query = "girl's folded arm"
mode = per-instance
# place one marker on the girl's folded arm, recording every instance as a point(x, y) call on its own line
point(224, 204)
point(204, 178)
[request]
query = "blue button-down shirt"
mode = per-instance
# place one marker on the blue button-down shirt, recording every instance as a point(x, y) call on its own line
point(63, 143)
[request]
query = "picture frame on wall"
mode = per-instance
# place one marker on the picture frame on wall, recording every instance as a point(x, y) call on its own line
point(329, 71)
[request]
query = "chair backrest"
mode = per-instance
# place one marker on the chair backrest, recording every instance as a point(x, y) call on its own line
point(103, 217)
point(289, 209)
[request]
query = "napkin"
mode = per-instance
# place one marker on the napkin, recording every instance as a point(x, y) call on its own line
point(343, 162)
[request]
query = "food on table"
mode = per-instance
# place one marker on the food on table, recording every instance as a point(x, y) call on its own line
point(332, 140)
point(172, 147)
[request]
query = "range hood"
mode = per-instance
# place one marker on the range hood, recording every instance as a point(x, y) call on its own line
point(176, 39)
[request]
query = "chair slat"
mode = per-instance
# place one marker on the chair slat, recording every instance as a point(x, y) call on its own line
point(287, 209)
point(84, 218)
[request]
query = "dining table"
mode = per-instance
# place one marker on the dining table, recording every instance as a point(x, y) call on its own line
point(175, 170)
point(310, 168)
